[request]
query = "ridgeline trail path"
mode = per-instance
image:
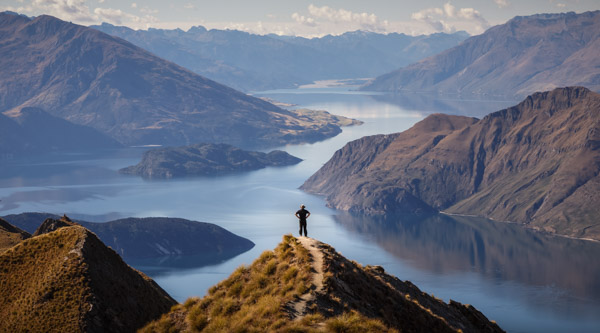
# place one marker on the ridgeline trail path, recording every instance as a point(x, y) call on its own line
point(312, 245)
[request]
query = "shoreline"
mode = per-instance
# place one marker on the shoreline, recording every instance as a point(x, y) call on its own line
point(522, 225)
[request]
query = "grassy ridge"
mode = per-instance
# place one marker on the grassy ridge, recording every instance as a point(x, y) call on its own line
point(257, 298)
point(33, 301)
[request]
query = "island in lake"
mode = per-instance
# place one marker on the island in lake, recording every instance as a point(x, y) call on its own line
point(205, 159)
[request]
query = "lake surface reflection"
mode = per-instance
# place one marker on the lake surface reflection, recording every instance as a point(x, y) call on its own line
point(526, 281)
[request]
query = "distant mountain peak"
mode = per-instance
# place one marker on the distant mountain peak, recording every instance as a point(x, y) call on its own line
point(524, 55)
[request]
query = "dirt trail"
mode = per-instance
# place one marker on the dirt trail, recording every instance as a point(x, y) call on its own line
point(299, 308)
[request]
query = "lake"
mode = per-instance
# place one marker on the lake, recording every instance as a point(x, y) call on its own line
point(524, 280)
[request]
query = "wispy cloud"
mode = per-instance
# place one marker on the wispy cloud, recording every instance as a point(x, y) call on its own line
point(450, 19)
point(502, 3)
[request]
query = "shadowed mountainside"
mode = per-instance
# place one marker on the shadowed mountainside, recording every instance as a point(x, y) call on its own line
point(32, 130)
point(353, 298)
point(205, 160)
point(536, 163)
point(10, 235)
point(150, 237)
point(253, 62)
point(67, 280)
point(524, 55)
point(93, 79)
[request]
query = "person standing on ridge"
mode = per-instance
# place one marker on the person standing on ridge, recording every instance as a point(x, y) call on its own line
point(302, 214)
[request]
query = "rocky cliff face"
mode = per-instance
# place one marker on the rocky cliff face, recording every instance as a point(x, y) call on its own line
point(205, 160)
point(536, 163)
point(68, 280)
point(90, 78)
point(524, 55)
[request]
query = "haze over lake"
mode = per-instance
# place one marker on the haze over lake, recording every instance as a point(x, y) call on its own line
point(524, 280)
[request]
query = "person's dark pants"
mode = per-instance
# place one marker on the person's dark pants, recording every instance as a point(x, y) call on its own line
point(303, 225)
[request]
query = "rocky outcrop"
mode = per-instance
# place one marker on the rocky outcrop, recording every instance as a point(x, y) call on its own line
point(69, 281)
point(51, 224)
point(205, 160)
point(522, 56)
point(90, 78)
point(537, 163)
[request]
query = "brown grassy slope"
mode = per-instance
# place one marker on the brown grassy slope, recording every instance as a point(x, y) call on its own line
point(260, 298)
point(69, 281)
point(536, 163)
point(10, 235)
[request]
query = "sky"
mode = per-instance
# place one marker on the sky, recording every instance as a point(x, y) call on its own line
point(308, 18)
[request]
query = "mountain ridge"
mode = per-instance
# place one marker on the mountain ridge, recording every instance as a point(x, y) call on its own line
point(68, 280)
point(536, 163)
point(90, 78)
point(282, 291)
point(526, 54)
point(253, 62)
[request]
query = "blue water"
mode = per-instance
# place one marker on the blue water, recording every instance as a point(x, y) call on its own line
point(526, 281)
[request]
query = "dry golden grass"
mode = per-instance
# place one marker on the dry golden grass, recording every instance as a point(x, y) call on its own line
point(29, 300)
point(256, 299)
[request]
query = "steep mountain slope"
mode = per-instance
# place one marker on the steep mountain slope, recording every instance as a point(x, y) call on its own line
point(204, 160)
point(150, 237)
point(252, 62)
point(536, 163)
point(68, 281)
point(93, 79)
point(524, 55)
point(31, 130)
point(338, 295)
point(10, 235)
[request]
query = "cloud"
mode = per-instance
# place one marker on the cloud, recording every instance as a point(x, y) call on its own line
point(189, 6)
point(70, 10)
point(309, 21)
point(363, 21)
point(502, 3)
point(115, 16)
point(133, 5)
point(450, 19)
point(78, 12)
point(149, 11)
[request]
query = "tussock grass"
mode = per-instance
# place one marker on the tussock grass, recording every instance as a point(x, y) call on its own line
point(256, 298)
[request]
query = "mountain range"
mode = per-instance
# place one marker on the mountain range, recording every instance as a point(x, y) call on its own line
point(522, 56)
point(537, 163)
point(253, 62)
point(90, 78)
